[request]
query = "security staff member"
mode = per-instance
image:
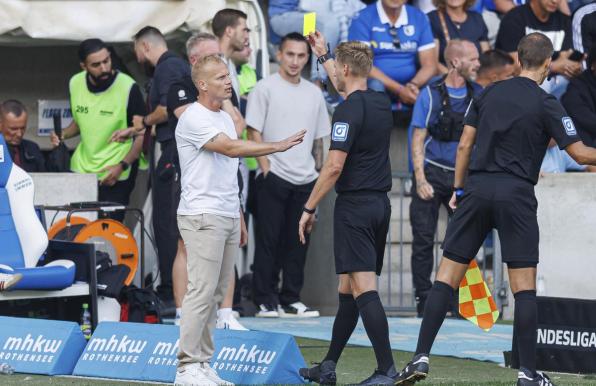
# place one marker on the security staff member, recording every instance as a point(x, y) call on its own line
point(438, 124)
point(103, 102)
point(151, 47)
point(358, 165)
point(515, 120)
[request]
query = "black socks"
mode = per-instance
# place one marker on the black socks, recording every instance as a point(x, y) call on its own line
point(435, 310)
point(343, 326)
point(375, 322)
point(525, 324)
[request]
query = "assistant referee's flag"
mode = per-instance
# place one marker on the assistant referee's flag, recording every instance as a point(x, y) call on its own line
point(475, 300)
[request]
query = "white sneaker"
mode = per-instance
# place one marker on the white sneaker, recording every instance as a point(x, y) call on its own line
point(297, 310)
point(8, 280)
point(193, 374)
point(229, 322)
point(267, 311)
point(212, 375)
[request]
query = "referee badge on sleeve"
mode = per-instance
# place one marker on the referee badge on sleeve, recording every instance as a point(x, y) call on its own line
point(340, 132)
point(569, 127)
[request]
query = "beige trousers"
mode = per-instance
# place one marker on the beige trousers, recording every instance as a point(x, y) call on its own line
point(211, 245)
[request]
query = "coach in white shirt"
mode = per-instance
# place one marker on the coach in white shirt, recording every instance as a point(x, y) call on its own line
point(209, 214)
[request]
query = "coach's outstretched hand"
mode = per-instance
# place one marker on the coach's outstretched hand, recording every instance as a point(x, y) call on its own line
point(292, 141)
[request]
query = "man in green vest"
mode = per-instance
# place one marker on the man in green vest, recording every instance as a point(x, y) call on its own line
point(104, 101)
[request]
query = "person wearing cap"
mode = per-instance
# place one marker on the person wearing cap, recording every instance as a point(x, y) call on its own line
point(103, 101)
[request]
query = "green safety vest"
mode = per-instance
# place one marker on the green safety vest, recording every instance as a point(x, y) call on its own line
point(247, 79)
point(98, 115)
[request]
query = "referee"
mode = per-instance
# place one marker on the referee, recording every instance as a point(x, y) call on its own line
point(358, 165)
point(514, 119)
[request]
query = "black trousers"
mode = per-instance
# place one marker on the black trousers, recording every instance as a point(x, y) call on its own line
point(277, 246)
point(165, 184)
point(119, 192)
point(424, 216)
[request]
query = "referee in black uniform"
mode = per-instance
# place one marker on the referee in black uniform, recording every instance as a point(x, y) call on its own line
point(358, 165)
point(506, 134)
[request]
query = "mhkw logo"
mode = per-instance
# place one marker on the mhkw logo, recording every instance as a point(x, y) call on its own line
point(254, 360)
point(31, 348)
point(114, 349)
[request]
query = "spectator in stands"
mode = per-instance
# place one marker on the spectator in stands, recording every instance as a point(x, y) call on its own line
point(580, 101)
point(151, 47)
point(584, 27)
point(558, 161)
point(495, 65)
point(103, 102)
point(279, 105)
point(401, 37)
point(453, 19)
point(438, 125)
point(183, 94)
point(541, 16)
point(13, 123)
point(504, 6)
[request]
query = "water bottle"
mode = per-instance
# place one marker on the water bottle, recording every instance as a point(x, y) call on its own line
point(540, 285)
point(6, 369)
point(86, 321)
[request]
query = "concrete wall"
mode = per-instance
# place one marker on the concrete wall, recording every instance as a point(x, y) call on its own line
point(567, 220)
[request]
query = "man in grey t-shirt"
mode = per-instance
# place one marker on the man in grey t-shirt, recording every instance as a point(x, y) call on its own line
point(278, 105)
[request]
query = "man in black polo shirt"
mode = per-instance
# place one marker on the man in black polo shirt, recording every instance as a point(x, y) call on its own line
point(358, 165)
point(151, 47)
point(515, 120)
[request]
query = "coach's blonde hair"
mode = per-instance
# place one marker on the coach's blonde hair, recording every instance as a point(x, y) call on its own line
point(198, 69)
point(357, 55)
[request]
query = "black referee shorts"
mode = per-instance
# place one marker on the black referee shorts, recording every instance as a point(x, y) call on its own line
point(501, 201)
point(360, 221)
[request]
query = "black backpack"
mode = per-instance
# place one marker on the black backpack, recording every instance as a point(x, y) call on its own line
point(139, 305)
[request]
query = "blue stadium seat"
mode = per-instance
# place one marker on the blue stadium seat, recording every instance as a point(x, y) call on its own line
point(23, 239)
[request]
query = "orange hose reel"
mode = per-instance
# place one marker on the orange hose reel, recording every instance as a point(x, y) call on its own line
point(114, 232)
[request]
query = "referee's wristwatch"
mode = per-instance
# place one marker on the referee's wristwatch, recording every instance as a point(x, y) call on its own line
point(309, 211)
point(323, 58)
point(459, 192)
point(124, 165)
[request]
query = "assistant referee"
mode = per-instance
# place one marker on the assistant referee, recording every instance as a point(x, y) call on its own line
point(508, 127)
point(358, 165)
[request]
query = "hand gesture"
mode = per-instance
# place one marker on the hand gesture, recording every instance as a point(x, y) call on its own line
point(566, 67)
point(292, 141)
point(122, 135)
point(305, 225)
point(55, 140)
point(425, 190)
point(114, 172)
point(317, 43)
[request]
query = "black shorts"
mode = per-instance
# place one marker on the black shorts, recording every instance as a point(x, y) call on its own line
point(501, 201)
point(360, 225)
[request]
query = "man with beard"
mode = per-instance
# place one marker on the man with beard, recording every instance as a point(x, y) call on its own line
point(104, 101)
point(437, 123)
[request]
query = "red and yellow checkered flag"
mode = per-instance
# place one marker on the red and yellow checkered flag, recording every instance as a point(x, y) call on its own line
point(475, 300)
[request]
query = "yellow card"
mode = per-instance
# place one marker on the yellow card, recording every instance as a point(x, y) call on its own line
point(310, 23)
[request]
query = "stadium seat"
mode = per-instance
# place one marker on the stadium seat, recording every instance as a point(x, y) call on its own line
point(23, 239)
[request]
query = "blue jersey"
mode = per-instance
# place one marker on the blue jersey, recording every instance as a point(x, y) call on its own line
point(373, 27)
point(281, 6)
point(426, 111)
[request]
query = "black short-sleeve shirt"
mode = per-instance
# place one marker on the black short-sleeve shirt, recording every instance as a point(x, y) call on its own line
point(169, 69)
point(362, 127)
point(521, 21)
point(514, 121)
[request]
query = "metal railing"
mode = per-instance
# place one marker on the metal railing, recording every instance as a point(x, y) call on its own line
point(395, 283)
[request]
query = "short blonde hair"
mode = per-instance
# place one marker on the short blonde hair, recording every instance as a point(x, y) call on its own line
point(357, 55)
point(442, 4)
point(198, 69)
